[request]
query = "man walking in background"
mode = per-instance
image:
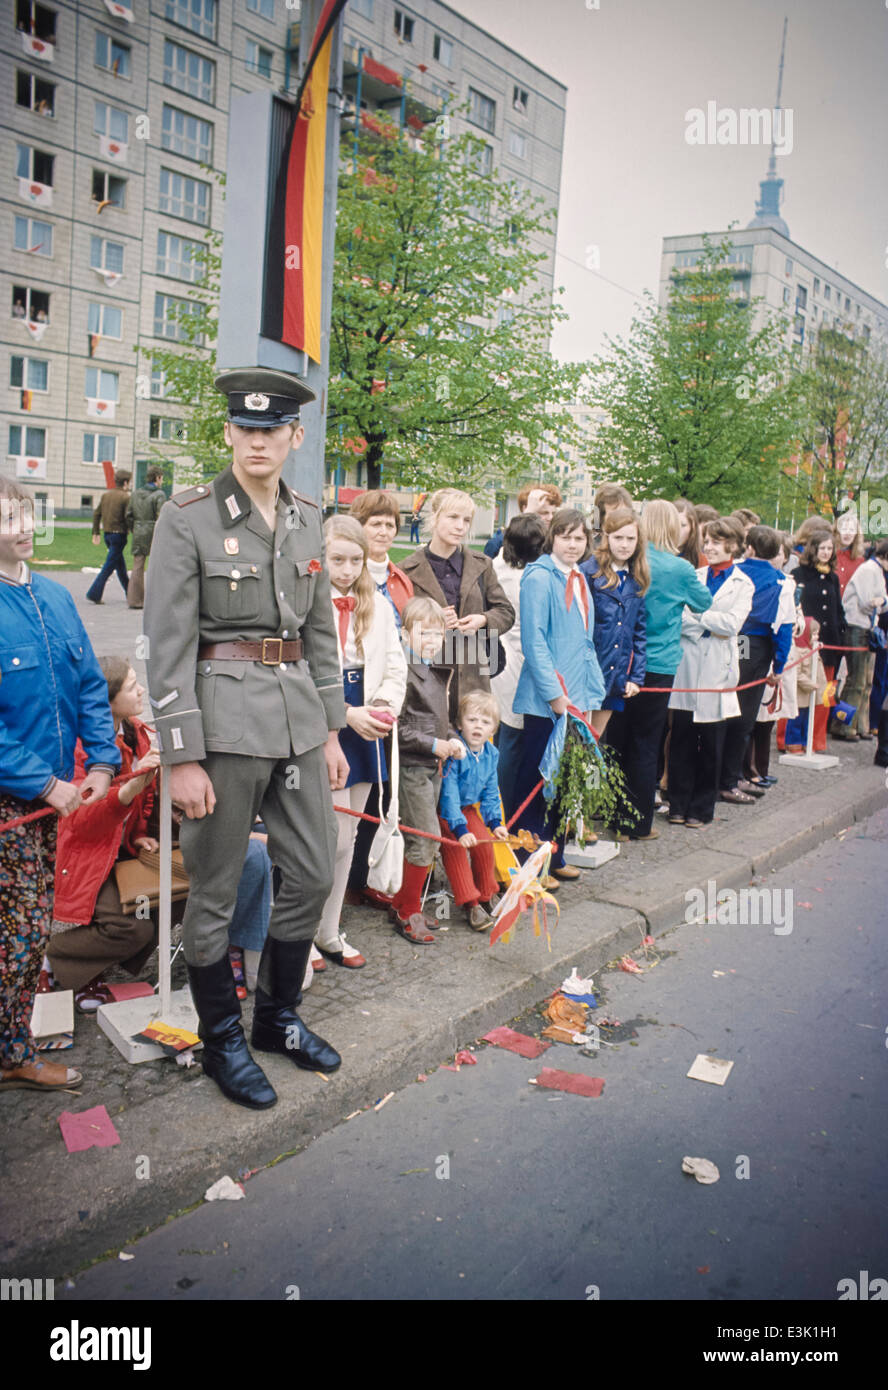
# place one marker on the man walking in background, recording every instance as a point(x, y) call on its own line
point(142, 512)
point(109, 518)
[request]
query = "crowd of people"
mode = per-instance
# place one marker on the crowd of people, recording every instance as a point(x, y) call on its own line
point(685, 639)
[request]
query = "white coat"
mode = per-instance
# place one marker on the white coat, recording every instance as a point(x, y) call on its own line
point(787, 705)
point(385, 665)
point(713, 660)
point(504, 685)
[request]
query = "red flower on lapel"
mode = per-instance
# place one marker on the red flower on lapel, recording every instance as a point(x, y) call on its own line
point(314, 566)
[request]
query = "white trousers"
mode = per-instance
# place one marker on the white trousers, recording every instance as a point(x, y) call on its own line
point(327, 934)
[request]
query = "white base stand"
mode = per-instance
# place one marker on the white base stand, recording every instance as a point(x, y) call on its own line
point(590, 856)
point(120, 1022)
point(819, 761)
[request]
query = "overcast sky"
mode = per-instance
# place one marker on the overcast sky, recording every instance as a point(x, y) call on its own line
point(634, 67)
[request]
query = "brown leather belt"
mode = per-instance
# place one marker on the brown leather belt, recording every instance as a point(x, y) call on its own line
point(271, 651)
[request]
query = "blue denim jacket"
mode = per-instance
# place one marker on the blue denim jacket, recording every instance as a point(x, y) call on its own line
point(555, 643)
point(52, 690)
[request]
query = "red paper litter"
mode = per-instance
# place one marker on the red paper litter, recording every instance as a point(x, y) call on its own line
point(88, 1129)
point(135, 990)
point(630, 966)
point(572, 1081)
point(467, 1058)
point(516, 1042)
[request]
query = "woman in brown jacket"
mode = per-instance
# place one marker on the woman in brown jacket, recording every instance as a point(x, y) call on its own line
point(463, 582)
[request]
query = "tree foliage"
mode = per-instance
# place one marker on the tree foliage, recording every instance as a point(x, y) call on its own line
point(439, 353)
point(702, 399)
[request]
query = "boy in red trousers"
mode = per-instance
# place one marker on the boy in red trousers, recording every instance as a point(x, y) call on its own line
point(474, 778)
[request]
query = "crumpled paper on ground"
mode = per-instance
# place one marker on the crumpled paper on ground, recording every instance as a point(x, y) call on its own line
point(703, 1169)
point(225, 1190)
point(567, 1020)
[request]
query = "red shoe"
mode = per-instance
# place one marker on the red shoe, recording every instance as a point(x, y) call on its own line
point(45, 983)
point(413, 929)
point(347, 955)
point(374, 899)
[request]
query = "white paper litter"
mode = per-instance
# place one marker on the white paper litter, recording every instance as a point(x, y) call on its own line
point(714, 1069)
point(703, 1169)
point(122, 1255)
point(225, 1190)
point(574, 985)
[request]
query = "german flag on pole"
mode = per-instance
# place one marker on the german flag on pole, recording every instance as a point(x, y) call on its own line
point(292, 302)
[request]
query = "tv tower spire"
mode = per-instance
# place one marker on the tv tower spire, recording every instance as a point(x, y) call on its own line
point(767, 209)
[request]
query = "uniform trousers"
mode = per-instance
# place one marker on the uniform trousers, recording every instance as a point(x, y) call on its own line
point(636, 732)
point(355, 797)
point(135, 594)
point(470, 871)
point(293, 796)
point(27, 879)
point(113, 937)
point(738, 729)
point(695, 759)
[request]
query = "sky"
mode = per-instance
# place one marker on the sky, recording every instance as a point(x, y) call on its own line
point(633, 68)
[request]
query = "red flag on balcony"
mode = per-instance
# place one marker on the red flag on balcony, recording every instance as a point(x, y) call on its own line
point(292, 298)
point(26, 400)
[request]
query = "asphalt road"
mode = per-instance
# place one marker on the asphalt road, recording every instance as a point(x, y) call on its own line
point(477, 1185)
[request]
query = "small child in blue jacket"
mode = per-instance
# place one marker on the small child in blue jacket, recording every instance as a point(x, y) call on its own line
point(469, 865)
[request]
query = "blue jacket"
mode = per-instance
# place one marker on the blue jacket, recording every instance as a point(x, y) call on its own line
point(674, 583)
point(765, 602)
point(554, 642)
point(620, 629)
point(472, 779)
point(52, 690)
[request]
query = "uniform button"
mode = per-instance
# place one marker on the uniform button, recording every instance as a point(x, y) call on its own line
point(283, 666)
point(281, 595)
point(235, 574)
point(252, 569)
point(278, 554)
point(15, 661)
point(285, 633)
point(233, 584)
point(207, 669)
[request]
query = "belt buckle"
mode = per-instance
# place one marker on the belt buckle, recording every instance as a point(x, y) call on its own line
point(265, 660)
point(352, 676)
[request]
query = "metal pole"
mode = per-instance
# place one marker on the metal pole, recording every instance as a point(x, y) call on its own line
point(165, 903)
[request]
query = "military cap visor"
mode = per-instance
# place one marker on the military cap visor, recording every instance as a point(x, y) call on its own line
point(259, 398)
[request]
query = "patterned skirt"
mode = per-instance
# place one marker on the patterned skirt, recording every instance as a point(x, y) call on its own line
point(27, 875)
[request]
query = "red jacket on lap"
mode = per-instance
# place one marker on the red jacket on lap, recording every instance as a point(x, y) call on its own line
point(91, 839)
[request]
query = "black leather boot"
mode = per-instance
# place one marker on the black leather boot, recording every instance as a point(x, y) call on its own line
point(881, 757)
point(226, 1057)
point(276, 1025)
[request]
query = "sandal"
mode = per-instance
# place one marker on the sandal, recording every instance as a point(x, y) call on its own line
point(414, 930)
point(93, 996)
point(737, 798)
point(28, 1078)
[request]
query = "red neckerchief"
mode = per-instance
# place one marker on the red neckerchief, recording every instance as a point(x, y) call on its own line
point(346, 607)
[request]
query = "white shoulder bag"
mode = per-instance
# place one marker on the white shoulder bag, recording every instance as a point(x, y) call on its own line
point(386, 857)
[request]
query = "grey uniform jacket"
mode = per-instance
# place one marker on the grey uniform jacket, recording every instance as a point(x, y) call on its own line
point(218, 575)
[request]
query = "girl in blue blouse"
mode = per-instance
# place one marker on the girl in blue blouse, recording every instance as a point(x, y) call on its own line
point(619, 578)
point(557, 627)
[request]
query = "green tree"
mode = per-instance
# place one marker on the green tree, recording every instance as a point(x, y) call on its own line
point(844, 393)
point(702, 399)
point(439, 351)
point(189, 367)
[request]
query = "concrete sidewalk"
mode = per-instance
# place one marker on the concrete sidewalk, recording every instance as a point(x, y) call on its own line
point(406, 1012)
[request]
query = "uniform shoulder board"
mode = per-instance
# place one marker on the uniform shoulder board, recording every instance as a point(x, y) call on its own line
point(193, 494)
point(300, 497)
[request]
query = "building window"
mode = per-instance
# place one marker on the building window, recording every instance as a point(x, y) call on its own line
point(847, 303)
point(867, 333)
point(788, 267)
point(31, 91)
point(187, 71)
point(166, 430)
point(186, 135)
point(32, 305)
point(86, 499)
point(34, 165)
point(158, 383)
point(102, 385)
point(105, 255)
point(799, 329)
point(37, 20)
point(108, 188)
point(517, 144)
point(519, 100)
point(258, 59)
point(442, 51)
point(480, 159)
point(111, 121)
point(827, 291)
point(801, 298)
point(363, 7)
point(33, 236)
point(178, 257)
point(403, 26)
point(786, 295)
point(197, 15)
point(263, 7)
point(169, 314)
point(184, 197)
point(97, 448)
point(816, 285)
point(482, 110)
point(105, 319)
point(29, 373)
point(113, 56)
point(27, 440)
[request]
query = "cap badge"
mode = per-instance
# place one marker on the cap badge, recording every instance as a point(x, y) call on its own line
point(232, 545)
point(256, 401)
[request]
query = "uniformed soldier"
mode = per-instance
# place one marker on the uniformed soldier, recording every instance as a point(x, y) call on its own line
point(244, 680)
